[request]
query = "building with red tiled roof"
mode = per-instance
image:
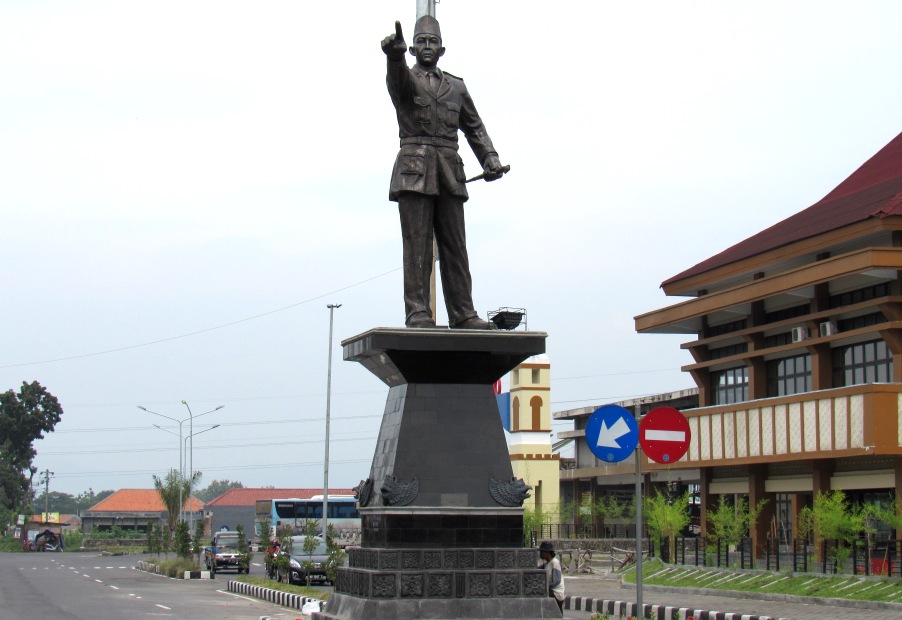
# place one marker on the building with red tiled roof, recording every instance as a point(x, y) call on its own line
point(797, 354)
point(131, 509)
point(238, 506)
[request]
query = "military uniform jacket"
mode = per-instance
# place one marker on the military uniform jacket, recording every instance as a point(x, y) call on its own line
point(428, 122)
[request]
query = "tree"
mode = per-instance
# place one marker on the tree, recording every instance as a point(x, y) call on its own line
point(197, 545)
point(217, 488)
point(153, 538)
point(310, 544)
point(182, 540)
point(87, 499)
point(533, 520)
point(730, 522)
point(62, 503)
point(336, 555)
point(666, 517)
point(24, 417)
point(833, 518)
point(244, 561)
point(174, 490)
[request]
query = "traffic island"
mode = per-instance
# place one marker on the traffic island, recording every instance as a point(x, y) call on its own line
point(153, 568)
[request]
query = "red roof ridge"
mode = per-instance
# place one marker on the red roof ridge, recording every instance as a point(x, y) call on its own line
point(873, 190)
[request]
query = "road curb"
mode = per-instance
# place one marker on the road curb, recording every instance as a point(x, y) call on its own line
point(781, 598)
point(285, 599)
point(655, 612)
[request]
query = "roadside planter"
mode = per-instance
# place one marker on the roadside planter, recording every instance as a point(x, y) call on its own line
point(151, 567)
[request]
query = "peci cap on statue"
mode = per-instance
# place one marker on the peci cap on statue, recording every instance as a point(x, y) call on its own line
point(427, 24)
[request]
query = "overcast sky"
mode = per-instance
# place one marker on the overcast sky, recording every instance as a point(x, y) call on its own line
point(184, 186)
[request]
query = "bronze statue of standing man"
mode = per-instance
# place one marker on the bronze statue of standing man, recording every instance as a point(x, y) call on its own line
point(428, 181)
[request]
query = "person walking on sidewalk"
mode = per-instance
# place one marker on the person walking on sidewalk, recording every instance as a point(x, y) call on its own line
point(555, 577)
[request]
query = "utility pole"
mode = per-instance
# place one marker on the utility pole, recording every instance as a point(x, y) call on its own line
point(427, 7)
point(325, 521)
point(46, 481)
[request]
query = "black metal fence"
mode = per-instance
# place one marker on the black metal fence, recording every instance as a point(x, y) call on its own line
point(861, 557)
point(558, 531)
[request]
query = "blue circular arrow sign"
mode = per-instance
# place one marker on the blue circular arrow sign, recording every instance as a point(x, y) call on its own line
point(612, 433)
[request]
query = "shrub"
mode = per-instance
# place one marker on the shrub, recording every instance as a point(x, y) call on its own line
point(176, 567)
point(72, 541)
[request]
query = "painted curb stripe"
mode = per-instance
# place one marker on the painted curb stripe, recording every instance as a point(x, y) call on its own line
point(285, 599)
point(658, 612)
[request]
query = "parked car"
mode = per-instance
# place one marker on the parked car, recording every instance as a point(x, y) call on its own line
point(224, 553)
point(301, 563)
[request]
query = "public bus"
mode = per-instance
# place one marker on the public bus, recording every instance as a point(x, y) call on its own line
point(294, 513)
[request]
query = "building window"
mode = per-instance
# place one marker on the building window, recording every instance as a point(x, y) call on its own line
point(515, 415)
point(858, 322)
point(866, 362)
point(725, 328)
point(791, 375)
point(730, 386)
point(787, 313)
point(733, 349)
point(536, 376)
point(862, 294)
point(778, 340)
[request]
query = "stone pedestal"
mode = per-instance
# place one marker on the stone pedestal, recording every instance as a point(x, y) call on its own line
point(441, 513)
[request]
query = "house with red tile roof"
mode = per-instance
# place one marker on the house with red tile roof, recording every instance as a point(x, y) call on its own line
point(238, 506)
point(131, 509)
point(796, 342)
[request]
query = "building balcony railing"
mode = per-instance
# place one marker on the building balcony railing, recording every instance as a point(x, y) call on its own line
point(849, 421)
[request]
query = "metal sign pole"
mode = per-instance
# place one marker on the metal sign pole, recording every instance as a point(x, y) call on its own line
point(638, 455)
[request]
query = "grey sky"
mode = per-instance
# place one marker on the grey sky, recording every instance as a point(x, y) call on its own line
point(171, 167)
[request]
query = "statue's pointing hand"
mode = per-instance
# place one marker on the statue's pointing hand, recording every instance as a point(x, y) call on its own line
point(393, 45)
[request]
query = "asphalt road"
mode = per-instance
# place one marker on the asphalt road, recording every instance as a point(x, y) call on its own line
point(86, 586)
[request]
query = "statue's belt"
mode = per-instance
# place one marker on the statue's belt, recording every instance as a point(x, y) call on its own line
point(430, 141)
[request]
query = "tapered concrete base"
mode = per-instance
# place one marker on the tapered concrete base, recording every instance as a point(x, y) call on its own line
point(439, 540)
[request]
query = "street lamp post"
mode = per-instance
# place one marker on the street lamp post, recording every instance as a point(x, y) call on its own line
point(191, 434)
point(331, 308)
point(182, 450)
point(181, 463)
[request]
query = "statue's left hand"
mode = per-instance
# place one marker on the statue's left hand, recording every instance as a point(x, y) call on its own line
point(492, 168)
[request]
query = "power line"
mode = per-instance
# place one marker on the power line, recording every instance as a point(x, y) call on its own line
point(199, 331)
point(221, 400)
point(232, 446)
point(99, 429)
point(280, 465)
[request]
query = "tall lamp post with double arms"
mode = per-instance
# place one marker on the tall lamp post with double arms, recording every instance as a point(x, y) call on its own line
point(191, 434)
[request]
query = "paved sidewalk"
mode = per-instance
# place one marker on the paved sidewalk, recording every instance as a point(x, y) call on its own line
point(595, 587)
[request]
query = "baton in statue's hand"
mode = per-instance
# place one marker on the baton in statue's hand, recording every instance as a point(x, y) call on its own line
point(504, 170)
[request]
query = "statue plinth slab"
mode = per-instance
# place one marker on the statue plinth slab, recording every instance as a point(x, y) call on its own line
point(442, 515)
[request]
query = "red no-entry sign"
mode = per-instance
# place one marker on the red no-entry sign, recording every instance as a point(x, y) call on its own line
point(664, 435)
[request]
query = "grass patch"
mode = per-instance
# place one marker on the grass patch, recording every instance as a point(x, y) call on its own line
point(284, 587)
point(840, 586)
